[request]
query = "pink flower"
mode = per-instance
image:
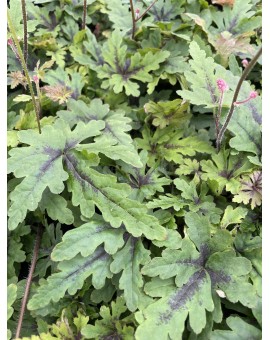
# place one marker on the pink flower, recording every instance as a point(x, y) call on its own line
point(222, 85)
point(10, 41)
point(245, 63)
point(137, 13)
point(252, 95)
point(36, 79)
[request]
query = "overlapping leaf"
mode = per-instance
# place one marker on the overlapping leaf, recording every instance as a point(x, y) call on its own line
point(120, 70)
point(72, 276)
point(40, 164)
point(114, 140)
point(198, 272)
point(90, 188)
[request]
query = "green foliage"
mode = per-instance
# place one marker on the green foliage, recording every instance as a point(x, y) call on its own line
point(198, 272)
point(148, 231)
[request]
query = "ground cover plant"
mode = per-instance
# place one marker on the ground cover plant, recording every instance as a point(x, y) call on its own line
point(134, 169)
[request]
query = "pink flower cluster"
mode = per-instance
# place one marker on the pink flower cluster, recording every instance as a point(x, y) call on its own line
point(222, 85)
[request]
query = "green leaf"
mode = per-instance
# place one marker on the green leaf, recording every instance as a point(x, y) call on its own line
point(114, 140)
point(56, 207)
point(71, 277)
point(80, 321)
point(111, 325)
point(129, 259)
point(41, 164)
point(90, 188)
point(233, 216)
point(11, 297)
point(240, 330)
point(120, 70)
point(202, 78)
point(197, 274)
point(176, 146)
point(168, 112)
point(246, 126)
point(15, 12)
point(86, 238)
point(144, 182)
point(225, 170)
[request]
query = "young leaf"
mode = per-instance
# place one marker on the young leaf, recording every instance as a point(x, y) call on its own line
point(233, 216)
point(225, 170)
point(111, 325)
point(168, 113)
point(120, 71)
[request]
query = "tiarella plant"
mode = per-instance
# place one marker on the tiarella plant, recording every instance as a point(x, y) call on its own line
point(134, 169)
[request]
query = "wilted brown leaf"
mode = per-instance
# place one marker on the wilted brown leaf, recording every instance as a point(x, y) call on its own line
point(17, 78)
point(58, 93)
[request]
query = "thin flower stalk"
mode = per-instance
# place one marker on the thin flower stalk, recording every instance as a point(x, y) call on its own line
point(29, 281)
point(223, 87)
point(84, 14)
point(25, 42)
point(236, 93)
point(24, 66)
point(136, 15)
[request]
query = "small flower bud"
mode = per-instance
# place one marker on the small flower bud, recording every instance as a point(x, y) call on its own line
point(35, 79)
point(245, 63)
point(137, 13)
point(222, 85)
point(10, 42)
point(252, 95)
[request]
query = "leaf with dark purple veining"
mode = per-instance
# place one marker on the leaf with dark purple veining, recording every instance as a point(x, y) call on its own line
point(41, 164)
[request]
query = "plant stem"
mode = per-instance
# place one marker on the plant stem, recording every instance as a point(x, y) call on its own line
point(217, 116)
point(29, 280)
point(134, 20)
point(17, 44)
point(25, 42)
point(84, 13)
point(147, 9)
point(236, 93)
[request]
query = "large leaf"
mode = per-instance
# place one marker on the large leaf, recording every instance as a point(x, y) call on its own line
point(86, 238)
point(198, 273)
point(90, 188)
point(114, 140)
point(72, 276)
point(41, 164)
